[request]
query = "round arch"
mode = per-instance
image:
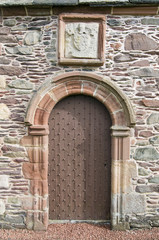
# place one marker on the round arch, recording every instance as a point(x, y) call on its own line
point(91, 84)
point(36, 143)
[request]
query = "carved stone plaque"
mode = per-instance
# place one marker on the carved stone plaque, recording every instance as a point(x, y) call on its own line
point(81, 39)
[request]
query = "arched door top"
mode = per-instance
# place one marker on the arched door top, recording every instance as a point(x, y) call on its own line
point(101, 88)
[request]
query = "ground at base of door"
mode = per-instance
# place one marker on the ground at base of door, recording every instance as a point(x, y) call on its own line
point(79, 231)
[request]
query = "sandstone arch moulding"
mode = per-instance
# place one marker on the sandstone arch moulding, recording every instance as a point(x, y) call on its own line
point(36, 142)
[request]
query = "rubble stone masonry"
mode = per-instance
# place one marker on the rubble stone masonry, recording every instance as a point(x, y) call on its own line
point(29, 60)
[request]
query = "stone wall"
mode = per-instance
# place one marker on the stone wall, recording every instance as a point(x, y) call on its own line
point(29, 58)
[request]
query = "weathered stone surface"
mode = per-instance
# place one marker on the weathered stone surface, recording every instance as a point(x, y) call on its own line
point(38, 23)
point(15, 154)
point(150, 21)
point(4, 30)
point(15, 219)
point(156, 127)
point(146, 154)
point(139, 41)
point(154, 140)
point(4, 182)
point(9, 22)
point(4, 111)
point(14, 200)
point(146, 134)
point(151, 103)
point(27, 203)
point(21, 84)
point(2, 82)
point(129, 171)
point(113, 22)
point(7, 39)
point(11, 140)
point(147, 188)
point(145, 72)
point(141, 181)
point(10, 148)
point(143, 172)
point(20, 50)
point(21, 27)
point(141, 223)
point(135, 203)
point(81, 40)
point(32, 38)
point(4, 60)
point(155, 179)
point(123, 58)
point(51, 57)
point(153, 118)
point(11, 71)
point(155, 223)
point(2, 207)
point(141, 63)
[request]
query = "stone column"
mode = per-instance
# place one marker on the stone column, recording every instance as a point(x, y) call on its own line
point(36, 170)
point(120, 157)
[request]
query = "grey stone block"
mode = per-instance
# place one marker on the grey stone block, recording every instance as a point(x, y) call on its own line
point(153, 118)
point(146, 154)
point(147, 188)
point(135, 203)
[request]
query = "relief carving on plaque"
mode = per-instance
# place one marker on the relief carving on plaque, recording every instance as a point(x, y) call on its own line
point(81, 39)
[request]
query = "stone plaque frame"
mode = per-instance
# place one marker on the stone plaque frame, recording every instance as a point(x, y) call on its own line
point(97, 57)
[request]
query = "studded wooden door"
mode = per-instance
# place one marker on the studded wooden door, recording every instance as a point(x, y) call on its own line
point(79, 160)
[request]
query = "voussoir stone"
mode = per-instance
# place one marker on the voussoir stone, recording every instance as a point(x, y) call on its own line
point(32, 38)
point(146, 154)
point(21, 84)
point(139, 41)
point(153, 119)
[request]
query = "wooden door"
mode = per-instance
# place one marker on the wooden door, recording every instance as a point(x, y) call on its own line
point(79, 160)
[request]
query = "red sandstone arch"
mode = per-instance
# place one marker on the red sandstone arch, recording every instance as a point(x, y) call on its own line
point(36, 142)
point(81, 83)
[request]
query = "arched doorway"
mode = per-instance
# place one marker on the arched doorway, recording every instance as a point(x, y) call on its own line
point(79, 160)
point(36, 143)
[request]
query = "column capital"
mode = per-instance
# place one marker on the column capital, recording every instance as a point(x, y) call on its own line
point(120, 131)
